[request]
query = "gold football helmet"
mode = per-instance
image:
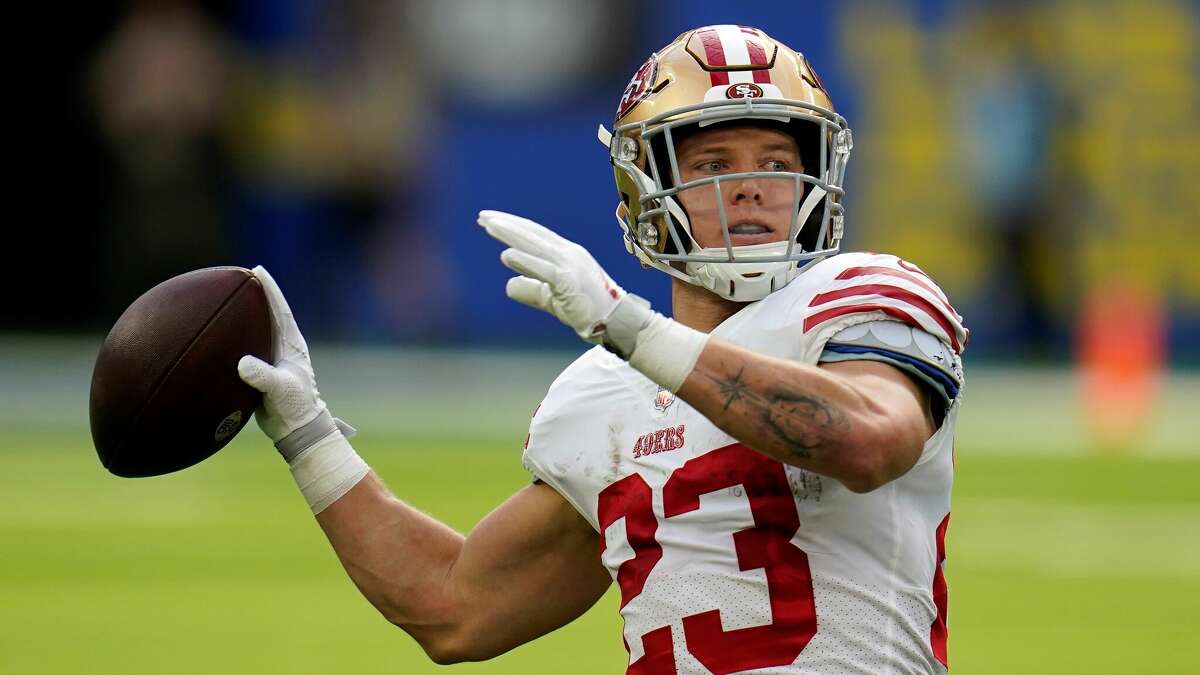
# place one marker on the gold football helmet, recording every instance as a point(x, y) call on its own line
point(721, 75)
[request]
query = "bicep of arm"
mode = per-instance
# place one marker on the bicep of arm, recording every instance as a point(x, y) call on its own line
point(902, 407)
point(530, 566)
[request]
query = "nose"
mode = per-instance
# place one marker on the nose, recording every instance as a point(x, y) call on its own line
point(745, 190)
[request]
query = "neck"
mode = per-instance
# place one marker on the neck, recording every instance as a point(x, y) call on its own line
point(699, 308)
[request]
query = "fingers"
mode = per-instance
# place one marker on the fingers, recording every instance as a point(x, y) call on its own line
point(520, 233)
point(279, 305)
point(257, 373)
point(286, 335)
point(530, 265)
point(490, 218)
point(529, 292)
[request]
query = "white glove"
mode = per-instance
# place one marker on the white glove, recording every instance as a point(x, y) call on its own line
point(562, 278)
point(292, 413)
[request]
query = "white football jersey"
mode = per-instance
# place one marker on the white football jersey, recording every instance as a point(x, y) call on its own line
point(729, 561)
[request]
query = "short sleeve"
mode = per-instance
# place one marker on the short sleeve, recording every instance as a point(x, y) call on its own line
point(875, 287)
point(915, 351)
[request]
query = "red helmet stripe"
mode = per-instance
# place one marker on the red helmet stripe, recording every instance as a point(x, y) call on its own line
point(715, 53)
point(758, 57)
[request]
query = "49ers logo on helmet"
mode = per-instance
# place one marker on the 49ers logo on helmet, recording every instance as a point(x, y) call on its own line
point(744, 90)
point(639, 87)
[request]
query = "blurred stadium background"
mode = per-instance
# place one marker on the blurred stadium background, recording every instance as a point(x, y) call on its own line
point(1041, 160)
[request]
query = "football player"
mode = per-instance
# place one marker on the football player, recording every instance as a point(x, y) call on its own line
point(766, 474)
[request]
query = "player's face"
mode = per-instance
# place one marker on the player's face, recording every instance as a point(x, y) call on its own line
point(758, 210)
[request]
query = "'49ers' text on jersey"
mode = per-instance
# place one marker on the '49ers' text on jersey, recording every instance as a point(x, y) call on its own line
point(729, 561)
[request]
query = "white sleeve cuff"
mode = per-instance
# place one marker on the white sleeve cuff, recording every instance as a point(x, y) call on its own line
point(667, 351)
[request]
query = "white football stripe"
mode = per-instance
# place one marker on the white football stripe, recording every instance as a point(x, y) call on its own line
point(935, 299)
point(928, 323)
point(891, 262)
point(733, 41)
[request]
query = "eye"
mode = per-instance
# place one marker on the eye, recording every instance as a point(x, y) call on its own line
point(777, 165)
point(711, 166)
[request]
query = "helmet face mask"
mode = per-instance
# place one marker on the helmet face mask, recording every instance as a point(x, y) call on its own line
point(677, 94)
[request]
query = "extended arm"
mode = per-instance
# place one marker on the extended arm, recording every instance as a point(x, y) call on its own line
point(472, 598)
point(461, 598)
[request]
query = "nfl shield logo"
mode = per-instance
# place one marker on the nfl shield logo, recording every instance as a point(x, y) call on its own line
point(663, 399)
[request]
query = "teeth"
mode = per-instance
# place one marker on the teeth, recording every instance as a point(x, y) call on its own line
point(748, 228)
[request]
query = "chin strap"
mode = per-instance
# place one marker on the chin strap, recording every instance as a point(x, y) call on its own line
point(810, 202)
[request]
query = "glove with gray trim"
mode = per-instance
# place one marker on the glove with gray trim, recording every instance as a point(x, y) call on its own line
point(292, 413)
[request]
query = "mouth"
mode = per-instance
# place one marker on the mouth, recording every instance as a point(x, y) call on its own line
point(749, 228)
point(747, 232)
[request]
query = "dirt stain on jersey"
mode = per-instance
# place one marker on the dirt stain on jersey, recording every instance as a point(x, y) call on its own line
point(805, 485)
point(616, 431)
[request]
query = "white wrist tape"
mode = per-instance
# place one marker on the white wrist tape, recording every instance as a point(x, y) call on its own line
point(667, 351)
point(327, 470)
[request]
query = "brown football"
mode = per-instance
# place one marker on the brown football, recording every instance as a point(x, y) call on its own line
point(165, 389)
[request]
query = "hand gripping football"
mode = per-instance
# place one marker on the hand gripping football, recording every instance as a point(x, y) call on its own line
point(165, 390)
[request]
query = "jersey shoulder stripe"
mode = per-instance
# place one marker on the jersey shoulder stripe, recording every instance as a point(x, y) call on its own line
point(914, 276)
point(890, 286)
point(870, 297)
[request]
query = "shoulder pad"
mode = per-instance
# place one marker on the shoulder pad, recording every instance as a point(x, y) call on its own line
point(910, 349)
point(864, 286)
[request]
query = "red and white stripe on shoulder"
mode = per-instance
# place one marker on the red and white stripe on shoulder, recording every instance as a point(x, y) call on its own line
point(895, 287)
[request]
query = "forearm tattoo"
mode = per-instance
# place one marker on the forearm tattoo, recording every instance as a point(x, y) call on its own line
point(796, 418)
point(733, 388)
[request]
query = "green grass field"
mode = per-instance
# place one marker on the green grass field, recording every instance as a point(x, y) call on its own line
point(1057, 564)
point(1060, 560)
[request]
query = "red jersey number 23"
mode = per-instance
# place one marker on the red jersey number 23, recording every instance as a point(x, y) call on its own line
point(765, 546)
